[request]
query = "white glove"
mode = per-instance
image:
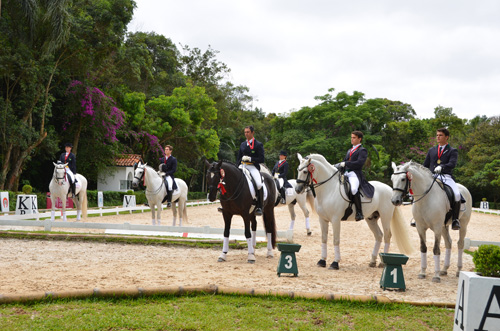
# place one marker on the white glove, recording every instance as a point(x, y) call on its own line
point(342, 164)
point(276, 175)
point(438, 169)
point(246, 159)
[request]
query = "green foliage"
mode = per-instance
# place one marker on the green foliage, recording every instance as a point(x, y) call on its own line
point(130, 192)
point(487, 260)
point(197, 195)
point(27, 189)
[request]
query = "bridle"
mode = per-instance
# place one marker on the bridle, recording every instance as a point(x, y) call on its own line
point(220, 186)
point(143, 181)
point(407, 188)
point(310, 181)
point(63, 178)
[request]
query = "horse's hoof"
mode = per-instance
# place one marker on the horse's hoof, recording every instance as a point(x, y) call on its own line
point(309, 233)
point(321, 263)
point(443, 273)
point(220, 259)
point(421, 276)
point(270, 254)
point(334, 266)
point(381, 265)
point(372, 264)
point(436, 280)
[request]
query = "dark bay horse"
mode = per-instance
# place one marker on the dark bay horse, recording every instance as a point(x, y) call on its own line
point(236, 199)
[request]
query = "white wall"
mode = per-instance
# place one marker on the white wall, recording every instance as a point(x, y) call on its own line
point(112, 181)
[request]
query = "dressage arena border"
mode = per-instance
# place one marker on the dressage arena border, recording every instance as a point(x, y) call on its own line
point(47, 224)
point(140, 292)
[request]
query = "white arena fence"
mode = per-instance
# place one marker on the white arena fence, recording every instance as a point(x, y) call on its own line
point(43, 220)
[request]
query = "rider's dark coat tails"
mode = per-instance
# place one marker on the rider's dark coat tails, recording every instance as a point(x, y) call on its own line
point(282, 170)
point(169, 167)
point(355, 163)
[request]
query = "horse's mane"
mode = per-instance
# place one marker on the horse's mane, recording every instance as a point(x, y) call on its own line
point(265, 168)
point(320, 158)
point(419, 167)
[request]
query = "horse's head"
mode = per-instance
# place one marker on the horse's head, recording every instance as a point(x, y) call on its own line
point(214, 176)
point(139, 171)
point(60, 172)
point(400, 183)
point(303, 173)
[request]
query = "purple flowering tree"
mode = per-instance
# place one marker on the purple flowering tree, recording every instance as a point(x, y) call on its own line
point(92, 115)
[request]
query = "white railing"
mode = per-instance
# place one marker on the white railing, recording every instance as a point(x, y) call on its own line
point(34, 220)
point(468, 243)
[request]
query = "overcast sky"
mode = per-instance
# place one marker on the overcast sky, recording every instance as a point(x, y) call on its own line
point(425, 53)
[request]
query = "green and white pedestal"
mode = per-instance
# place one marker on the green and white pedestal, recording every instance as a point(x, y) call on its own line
point(392, 276)
point(287, 263)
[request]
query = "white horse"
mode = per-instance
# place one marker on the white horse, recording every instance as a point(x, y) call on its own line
point(59, 187)
point(292, 198)
point(156, 192)
point(429, 210)
point(315, 172)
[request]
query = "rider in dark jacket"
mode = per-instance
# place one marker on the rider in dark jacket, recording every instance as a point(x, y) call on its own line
point(70, 158)
point(168, 166)
point(280, 170)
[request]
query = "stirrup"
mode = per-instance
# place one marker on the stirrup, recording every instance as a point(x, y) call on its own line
point(258, 211)
point(455, 225)
point(219, 209)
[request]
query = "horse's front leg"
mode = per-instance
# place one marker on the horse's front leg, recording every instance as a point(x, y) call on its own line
point(291, 210)
point(447, 255)
point(225, 242)
point(64, 207)
point(303, 206)
point(437, 256)
point(377, 233)
point(153, 218)
point(53, 210)
point(336, 244)
point(159, 208)
point(248, 234)
point(423, 251)
point(324, 238)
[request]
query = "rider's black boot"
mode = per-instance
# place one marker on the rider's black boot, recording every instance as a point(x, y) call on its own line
point(260, 199)
point(357, 203)
point(283, 196)
point(455, 225)
point(169, 199)
point(73, 190)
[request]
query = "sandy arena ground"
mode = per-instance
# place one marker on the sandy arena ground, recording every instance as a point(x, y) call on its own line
point(28, 266)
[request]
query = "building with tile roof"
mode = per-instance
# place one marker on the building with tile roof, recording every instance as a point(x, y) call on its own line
point(120, 176)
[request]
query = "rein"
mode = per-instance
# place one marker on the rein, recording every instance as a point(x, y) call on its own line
point(221, 188)
point(408, 187)
point(144, 183)
point(310, 181)
point(59, 178)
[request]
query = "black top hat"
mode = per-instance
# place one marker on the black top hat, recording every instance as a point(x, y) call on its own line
point(68, 145)
point(283, 153)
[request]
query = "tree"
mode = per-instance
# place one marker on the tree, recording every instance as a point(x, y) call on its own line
point(30, 34)
point(481, 170)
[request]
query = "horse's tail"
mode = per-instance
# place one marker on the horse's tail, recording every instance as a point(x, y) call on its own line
point(310, 199)
point(400, 232)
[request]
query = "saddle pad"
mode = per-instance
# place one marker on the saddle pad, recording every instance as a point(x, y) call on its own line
point(250, 184)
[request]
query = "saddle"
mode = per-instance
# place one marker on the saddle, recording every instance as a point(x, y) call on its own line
point(253, 187)
point(350, 197)
point(451, 198)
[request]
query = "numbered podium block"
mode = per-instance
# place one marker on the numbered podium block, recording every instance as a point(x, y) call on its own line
point(392, 276)
point(288, 263)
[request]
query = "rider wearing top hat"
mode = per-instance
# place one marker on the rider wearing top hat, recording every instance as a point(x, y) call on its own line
point(168, 166)
point(280, 170)
point(441, 160)
point(70, 158)
point(353, 164)
point(251, 154)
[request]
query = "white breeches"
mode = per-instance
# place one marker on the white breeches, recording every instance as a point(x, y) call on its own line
point(445, 178)
point(280, 182)
point(255, 173)
point(170, 182)
point(354, 181)
point(70, 175)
